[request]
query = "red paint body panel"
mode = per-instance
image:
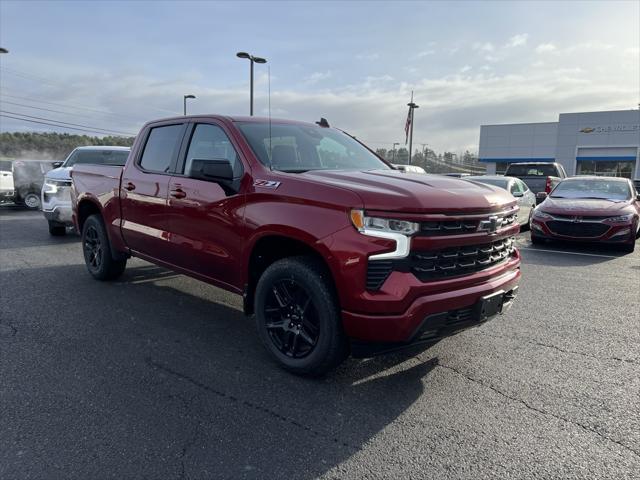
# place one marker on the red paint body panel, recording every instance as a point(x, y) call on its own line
point(209, 233)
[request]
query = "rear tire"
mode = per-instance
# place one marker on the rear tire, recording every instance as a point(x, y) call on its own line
point(31, 200)
point(298, 317)
point(97, 251)
point(57, 230)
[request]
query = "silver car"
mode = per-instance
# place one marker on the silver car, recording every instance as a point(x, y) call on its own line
point(516, 187)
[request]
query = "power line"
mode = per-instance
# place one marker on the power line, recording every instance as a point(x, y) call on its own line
point(2, 102)
point(52, 124)
point(78, 107)
point(67, 123)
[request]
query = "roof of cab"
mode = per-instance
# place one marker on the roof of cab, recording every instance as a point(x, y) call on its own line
point(234, 118)
point(103, 147)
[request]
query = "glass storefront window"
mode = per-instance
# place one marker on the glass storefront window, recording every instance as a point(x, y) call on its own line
point(608, 169)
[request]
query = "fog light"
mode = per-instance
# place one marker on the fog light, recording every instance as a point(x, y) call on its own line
point(624, 231)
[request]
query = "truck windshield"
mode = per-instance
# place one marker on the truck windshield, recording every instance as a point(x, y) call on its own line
point(300, 148)
point(98, 157)
point(616, 190)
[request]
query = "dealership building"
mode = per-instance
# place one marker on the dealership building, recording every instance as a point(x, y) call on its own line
point(591, 143)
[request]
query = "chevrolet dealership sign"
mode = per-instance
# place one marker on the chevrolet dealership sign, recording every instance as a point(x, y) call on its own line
point(612, 128)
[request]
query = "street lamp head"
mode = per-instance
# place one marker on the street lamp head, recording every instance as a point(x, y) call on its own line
point(259, 60)
point(243, 55)
point(3, 50)
point(189, 96)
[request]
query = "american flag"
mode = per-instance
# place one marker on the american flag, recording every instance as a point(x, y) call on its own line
point(407, 125)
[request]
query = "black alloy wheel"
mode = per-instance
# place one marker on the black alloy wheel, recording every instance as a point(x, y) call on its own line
point(93, 250)
point(98, 255)
point(292, 320)
point(298, 316)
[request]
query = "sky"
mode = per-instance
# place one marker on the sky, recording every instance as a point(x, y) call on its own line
point(115, 65)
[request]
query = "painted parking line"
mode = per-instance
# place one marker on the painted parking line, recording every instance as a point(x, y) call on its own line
point(564, 252)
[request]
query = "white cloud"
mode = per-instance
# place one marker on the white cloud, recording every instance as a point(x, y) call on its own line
point(483, 47)
point(368, 56)
point(316, 77)
point(425, 53)
point(465, 69)
point(546, 48)
point(517, 40)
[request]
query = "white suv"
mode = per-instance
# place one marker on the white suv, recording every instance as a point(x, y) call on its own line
point(56, 190)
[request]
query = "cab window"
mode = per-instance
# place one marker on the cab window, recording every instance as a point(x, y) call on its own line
point(209, 142)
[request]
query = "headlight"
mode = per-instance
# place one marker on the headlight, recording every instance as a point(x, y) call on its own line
point(377, 224)
point(621, 218)
point(52, 186)
point(539, 214)
point(388, 228)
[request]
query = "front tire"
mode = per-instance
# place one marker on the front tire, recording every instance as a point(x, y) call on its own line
point(298, 317)
point(97, 251)
point(57, 230)
point(536, 240)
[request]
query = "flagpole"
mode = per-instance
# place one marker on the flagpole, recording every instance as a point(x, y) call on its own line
point(412, 106)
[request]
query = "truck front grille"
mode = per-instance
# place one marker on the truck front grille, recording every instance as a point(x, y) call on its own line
point(455, 227)
point(578, 230)
point(439, 264)
point(460, 260)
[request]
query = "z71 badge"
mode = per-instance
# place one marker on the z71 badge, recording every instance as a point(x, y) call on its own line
point(266, 184)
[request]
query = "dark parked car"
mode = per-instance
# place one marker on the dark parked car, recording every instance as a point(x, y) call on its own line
point(540, 177)
point(592, 209)
point(332, 249)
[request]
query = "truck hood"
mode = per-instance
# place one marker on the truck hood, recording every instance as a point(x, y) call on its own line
point(392, 190)
point(576, 206)
point(61, 173)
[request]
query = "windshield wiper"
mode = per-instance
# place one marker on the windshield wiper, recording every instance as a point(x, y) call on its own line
point(293, 170)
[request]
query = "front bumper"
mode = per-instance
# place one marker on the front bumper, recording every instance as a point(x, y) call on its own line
point(425, 314)
point(56, 205)
point(615, 233)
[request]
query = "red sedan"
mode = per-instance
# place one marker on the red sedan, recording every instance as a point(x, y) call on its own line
point(589, 209)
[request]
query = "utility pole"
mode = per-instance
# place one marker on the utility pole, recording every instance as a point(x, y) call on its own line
point(412, 106)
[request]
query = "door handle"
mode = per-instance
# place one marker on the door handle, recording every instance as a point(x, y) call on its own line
point(129, 186)
point(178, 193)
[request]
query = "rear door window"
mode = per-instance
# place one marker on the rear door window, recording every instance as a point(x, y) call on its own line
point(161, 148)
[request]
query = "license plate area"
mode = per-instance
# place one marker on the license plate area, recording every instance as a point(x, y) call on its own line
point(489, 306)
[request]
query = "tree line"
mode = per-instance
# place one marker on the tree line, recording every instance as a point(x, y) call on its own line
point(51, 145)
point(432, 162)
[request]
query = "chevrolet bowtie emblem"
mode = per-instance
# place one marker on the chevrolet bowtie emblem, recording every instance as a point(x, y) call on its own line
point(587, 130)
point(490, 225)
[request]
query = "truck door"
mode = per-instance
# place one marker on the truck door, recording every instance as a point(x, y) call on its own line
point(206, 217)
point(144, 191)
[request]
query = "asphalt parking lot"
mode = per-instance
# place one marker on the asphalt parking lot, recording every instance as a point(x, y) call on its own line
point(160, 376)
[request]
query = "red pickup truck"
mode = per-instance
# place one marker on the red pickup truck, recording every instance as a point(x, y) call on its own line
point(333, 250)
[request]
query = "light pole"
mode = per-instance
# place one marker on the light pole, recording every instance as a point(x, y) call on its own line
point(412, 106)
point(394, 152)
point(252, 60)
point(184, 102)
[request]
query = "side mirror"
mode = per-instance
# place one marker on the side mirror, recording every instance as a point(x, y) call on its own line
point(57, 164)
point(214, 170)
point(638, 197)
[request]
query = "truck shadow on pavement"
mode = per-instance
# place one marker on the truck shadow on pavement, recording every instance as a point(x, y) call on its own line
point(150, 377)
